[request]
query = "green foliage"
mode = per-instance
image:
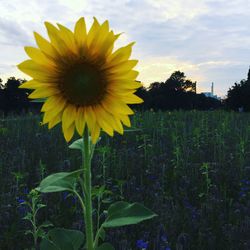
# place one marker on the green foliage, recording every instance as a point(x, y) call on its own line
point(37, 231)
point(78, 144)
point(62, 239)
point(176, 144)
point(64, 181)
point(122, 213)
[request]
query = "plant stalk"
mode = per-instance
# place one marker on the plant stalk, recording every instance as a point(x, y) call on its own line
point(88, 190)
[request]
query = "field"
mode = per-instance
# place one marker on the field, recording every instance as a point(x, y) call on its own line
point(191, 168)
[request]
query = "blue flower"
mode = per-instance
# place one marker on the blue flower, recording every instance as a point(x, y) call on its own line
point(65, 195)
point(242, 194)
point(167, 248)
point(164, 238)
point(20, 200)
point(142, 244)
point(247, 182)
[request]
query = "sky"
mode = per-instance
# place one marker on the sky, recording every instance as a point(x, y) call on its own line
point(206, 39)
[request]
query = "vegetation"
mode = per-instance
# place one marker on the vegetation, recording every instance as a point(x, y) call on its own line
point(175, 93)
point(191, 168)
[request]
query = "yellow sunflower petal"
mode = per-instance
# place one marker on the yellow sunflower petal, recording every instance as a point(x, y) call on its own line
point(116, 106)
point(55, 39)
point(39, 57)
point(108, 45)
point(33, 84)
point(119, 91)
point(54, 103)
point(125, 119)
point(125, 85)
point(34, 70)
point(130, 76)
point(80, 121)
point(130, 99)
point(102, 120)
point(120, 55)
point(90, 118)
point(123, 67)
point(80, 32)
point(44, 92)
point(118, 127)
point(69, 116)
point(95, 133)
point(51, 115)
point(93, 32)
point(46, 47)
point(97, 43)
point(54, 121)
point(68, 132)
point(68, 36)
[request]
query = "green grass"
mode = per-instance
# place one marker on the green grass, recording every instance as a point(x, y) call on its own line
point(192, 168)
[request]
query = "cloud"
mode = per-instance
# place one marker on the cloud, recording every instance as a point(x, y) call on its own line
point(209, 40)
point(12, 33)
point(182, 10)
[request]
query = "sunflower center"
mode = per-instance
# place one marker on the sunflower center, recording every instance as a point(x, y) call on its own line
point(83, 84)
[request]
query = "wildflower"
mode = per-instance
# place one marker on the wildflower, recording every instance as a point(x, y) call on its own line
point(164, 238)
point(65, 195)
point(20, 200)
point(141, 244)
point(83, 81)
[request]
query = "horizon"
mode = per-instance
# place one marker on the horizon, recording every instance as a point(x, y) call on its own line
point(208, 41)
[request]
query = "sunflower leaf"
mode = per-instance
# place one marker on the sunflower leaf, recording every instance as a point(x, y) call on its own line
point(123, 213)
point(62, 239)
point(78, 144)
point(59, 182)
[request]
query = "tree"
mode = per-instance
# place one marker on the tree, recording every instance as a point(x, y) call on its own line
point(248, 75)
point(13, 99)
point(177, 81)
point(1, 84)
point(238, 96)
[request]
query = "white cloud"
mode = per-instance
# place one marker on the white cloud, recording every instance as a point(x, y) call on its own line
point(209, 40)
point(182, 10)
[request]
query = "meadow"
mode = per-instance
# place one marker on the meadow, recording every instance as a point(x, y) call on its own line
point(192, 168)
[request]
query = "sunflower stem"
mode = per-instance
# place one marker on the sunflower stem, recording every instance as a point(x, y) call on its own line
point(88, 192)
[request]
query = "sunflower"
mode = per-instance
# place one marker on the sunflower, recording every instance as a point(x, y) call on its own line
point(84, 82)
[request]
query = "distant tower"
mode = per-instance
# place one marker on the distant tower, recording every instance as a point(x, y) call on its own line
point(212, 88)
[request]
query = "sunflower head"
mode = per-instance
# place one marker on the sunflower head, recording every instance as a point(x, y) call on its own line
point(84, 82)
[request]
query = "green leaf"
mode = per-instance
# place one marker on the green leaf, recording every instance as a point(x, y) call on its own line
point(78, 144)
point(59, 182)
point(105, 246)
point(62, 239)
point(123, 213)
point(46, 244)
point(28, 232)
point(46, 224)
point(102, 234)
point(28, 216)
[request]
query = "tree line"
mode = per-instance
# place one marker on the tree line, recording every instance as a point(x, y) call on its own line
point(177, 92)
